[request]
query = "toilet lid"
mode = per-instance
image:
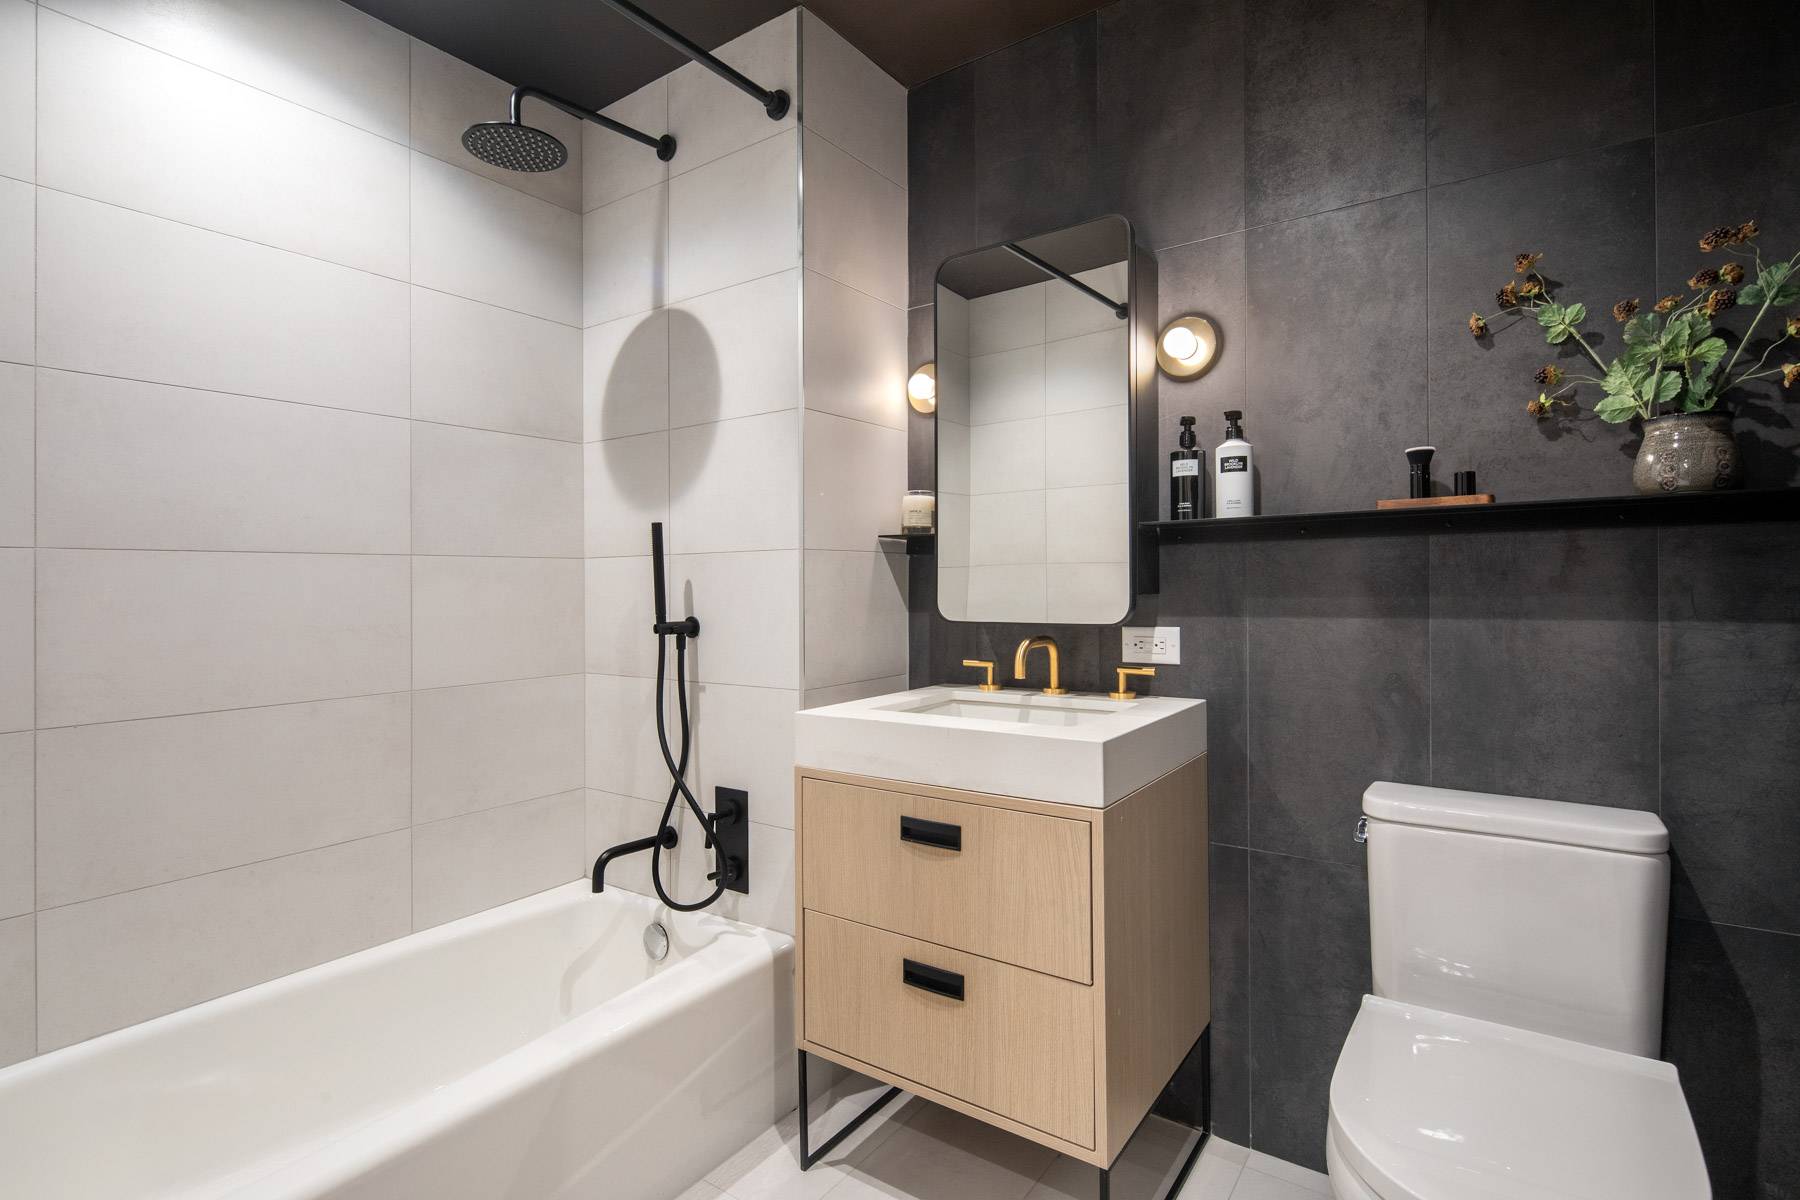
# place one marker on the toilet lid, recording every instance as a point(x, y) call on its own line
point(1428, 1105)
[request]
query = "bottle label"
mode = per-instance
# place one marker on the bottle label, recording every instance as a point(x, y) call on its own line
point(1184, 466)
point(1233, 462)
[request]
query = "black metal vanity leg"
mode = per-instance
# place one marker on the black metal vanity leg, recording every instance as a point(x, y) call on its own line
point(1105, 1183)
point(809, 1156)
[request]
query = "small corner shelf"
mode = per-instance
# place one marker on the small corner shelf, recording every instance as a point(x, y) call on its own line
point(1587, 512)
point(916, 543)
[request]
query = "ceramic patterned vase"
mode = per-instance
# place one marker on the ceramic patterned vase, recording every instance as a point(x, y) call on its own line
point(1687, 452)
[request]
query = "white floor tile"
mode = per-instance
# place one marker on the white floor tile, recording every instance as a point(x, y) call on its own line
point(943, 1155)
point(1287, 1172)
point(1254, 1185)
point(769, 1167)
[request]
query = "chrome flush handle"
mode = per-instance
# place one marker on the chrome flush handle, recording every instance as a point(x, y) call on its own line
point(1362, 831)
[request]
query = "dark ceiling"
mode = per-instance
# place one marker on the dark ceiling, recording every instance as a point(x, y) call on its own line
point(587, 52)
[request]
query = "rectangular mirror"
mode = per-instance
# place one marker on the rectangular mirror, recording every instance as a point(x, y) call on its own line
point(1035, 427)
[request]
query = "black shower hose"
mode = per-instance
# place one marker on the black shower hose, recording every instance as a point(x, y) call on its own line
point(677, 772)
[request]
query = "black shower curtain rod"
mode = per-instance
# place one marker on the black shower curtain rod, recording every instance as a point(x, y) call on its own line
point(774, 103)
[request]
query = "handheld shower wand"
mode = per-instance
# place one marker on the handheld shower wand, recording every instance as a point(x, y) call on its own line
point(729, 870)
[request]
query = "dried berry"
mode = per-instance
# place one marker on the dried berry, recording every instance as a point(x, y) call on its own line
point(1744, 233)
point(1668, 304)
point(1539, 407)
point(1719, 301)
point(1714, 239)
point(1524, 262)
point(1508, 296)
point(1624, 310)
point(1789, 373)
point(1793, 326)
point(1732, 273)
point(1531, 287)
point(1703, 278)
point(1477, 326)
point(1549, 375)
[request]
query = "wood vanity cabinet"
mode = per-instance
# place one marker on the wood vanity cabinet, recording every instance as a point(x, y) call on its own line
point(1042, 967)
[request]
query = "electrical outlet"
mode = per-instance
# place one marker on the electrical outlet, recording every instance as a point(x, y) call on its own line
point(1159, 645)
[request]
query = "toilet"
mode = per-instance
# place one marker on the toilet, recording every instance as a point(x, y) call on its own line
point(1508, 1051)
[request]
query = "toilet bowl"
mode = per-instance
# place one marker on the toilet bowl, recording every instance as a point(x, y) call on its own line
point(1517, 953)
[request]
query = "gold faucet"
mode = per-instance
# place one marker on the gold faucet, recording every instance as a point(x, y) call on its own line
point(985, 664)
point(1125, 693)
point(1049, 643)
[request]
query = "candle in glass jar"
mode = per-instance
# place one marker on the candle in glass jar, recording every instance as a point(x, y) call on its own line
point(918, 511)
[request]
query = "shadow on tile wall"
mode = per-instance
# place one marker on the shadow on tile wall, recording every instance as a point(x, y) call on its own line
point(1337, 186)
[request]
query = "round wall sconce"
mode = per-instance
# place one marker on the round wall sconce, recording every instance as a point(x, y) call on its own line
point(921, 389)
point(1187, 347)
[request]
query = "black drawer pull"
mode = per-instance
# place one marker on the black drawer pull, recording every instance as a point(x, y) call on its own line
point(931, 979)
point(941, 834)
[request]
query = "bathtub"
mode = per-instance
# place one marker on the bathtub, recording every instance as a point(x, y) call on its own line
point(530, 1051)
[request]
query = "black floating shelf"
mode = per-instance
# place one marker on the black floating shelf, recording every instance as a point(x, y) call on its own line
point(916, 543)
point(1680, 508)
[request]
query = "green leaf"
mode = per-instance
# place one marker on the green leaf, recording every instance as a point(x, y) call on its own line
point(1784, 295)
point(1752, 295)
point(1550, 315)
point(1705, 360)
point(1558, 335)
point(1617, 408)
point(1575, 314)
point(1641, 330)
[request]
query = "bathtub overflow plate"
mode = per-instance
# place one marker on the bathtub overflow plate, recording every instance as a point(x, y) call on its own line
point(656, 941)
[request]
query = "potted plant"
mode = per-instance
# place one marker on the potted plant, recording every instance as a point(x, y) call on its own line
point(1674, 369)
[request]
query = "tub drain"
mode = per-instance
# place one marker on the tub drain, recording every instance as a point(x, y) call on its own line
point(656, 941)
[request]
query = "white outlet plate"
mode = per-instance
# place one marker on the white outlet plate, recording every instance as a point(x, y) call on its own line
point(1142, 644)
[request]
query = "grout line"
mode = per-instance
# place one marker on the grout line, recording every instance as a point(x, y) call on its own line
point(319, 553)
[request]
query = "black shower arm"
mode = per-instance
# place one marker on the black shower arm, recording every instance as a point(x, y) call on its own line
point(774, 103)
point(664, 146)
point(1119, 310)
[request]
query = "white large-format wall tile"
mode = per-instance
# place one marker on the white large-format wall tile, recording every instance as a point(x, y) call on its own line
point(16, 455)
point(106, 963)
point(855, 223)
point(491, 368)
point(626, 486)
point(1088, 593)
point(468, 863)
point(1007, 320)
point(750, 603)
point(478, 492)
point(735, 352)
point(625, 256)
point(625, 376)
point(710, 118)
point(134, 803)
point(124, 633)
point(735, 219)
point(18, 90)
point(855, 616)
point(852, 102)
point(770, 901)
point(495, 743)
point(17, 257)
point(1088, 524)
point(621, 749)
point(16, 651)
point(449, 95)
point(482, 620)
point(855, 474)
point(321, 54)
point(212, 152)
point(1082, 448)
point(1068, 313)
point(620, 612)
point(744, 738)
point(1007, 386)
point(733, 485)
point(855, 354)
point(18, 989)
point(843, 693)
point(485, 241)
point(126, 465)
point(613, 166)
point(1007, 593)
point(952, 530)
point(1090, 371)
point(1006, 527)
point(16, 837)
point(953, 443)
point(125, 294)
point(1007, 457)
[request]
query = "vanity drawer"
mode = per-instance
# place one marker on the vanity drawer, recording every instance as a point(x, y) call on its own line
point(1012, 1041)
point(1004, 884)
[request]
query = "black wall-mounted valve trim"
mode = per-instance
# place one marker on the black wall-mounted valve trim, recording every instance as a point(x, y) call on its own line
point(928, 978)
point(731, 839)
point(775, 103)
point(941, 834)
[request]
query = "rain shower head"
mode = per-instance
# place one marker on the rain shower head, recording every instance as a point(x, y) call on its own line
point(513, 145)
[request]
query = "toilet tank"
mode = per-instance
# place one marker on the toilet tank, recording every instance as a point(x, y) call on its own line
point(1532, 913)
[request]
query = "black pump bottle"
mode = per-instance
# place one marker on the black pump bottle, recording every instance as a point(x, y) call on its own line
point(1187, 491)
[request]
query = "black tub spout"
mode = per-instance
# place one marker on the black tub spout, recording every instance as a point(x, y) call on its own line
point(666, 838)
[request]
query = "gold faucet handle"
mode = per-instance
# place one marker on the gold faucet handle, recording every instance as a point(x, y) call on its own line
point(1122, 694)
point(988, 666)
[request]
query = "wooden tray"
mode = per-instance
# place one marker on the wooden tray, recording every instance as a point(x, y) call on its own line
point(1438, 501)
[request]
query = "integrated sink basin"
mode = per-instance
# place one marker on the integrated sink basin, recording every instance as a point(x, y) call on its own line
point(1080, 749)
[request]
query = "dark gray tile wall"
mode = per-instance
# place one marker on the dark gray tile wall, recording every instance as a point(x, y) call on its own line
point(1337, 183)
